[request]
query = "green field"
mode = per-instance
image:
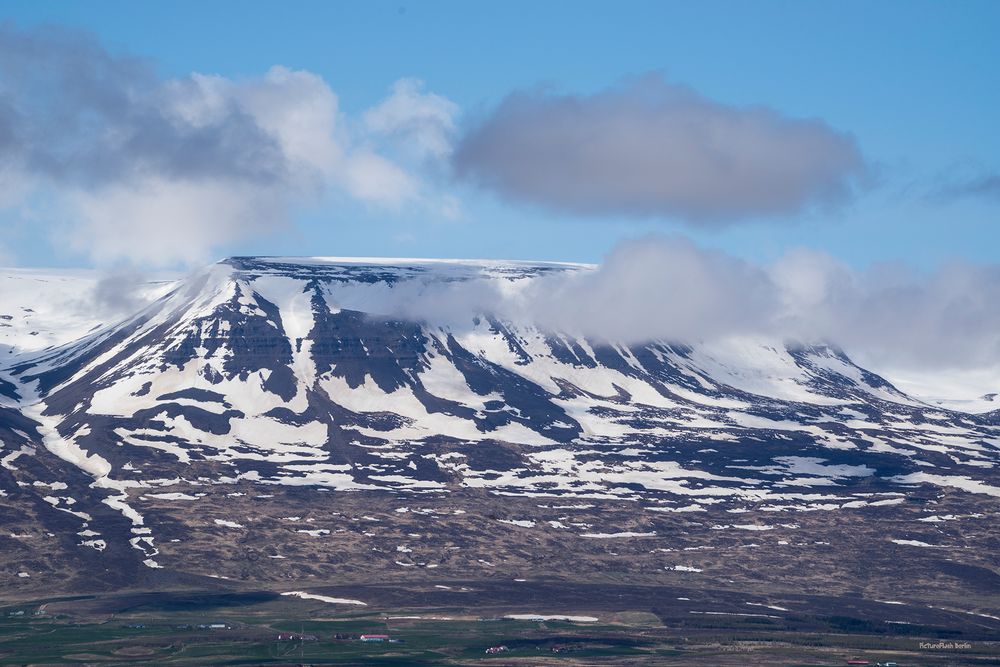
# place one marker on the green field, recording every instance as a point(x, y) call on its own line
point(92, 631)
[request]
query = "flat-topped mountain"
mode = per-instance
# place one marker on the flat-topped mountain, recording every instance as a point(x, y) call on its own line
point(284, 420)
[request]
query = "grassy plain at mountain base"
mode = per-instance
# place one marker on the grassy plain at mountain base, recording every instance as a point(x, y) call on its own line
point(635, 625)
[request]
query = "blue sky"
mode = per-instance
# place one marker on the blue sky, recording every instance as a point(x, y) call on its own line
point(913, 82)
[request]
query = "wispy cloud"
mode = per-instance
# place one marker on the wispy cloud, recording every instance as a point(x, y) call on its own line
point(651, 148)
point(161, 171)
point(983, 185)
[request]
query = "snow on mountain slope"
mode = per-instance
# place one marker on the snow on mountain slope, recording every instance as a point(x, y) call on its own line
point(974, 391)
point(298, 372)
point(44, 308)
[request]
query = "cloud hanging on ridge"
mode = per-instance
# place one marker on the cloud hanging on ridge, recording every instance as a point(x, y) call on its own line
point(887, 315)
point(164, 170)
point(670, 289)
point(650, 148)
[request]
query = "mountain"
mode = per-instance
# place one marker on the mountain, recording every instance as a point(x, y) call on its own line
point(279, 421)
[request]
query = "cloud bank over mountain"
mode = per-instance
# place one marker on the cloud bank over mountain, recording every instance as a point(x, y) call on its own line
point(668, 288)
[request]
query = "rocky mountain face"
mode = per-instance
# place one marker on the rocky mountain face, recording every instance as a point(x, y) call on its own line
point(278, 420)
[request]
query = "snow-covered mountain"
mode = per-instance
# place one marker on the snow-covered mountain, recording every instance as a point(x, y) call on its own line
point(301, 373)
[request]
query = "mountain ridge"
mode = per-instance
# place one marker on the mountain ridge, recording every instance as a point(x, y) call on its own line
point(264, 376)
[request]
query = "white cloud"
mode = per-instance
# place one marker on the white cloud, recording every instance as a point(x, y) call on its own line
point(375, 179)
point(165, 171)
point(164, 222)
point(656, 288)
point(423, 123)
